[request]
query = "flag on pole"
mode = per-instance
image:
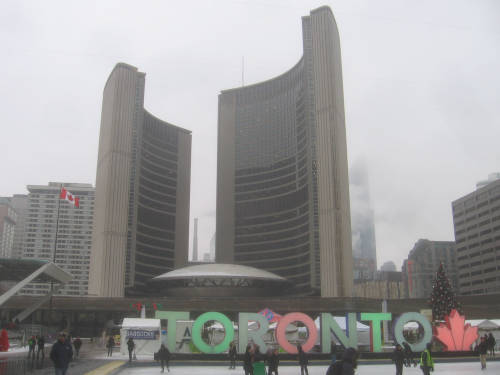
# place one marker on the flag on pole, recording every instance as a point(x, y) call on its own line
point(67, 196)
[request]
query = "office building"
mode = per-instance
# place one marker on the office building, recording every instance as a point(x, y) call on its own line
point(362, 224)
point(19, 202)
point(419, 270)
point(383, 285)
point(282, 178)
point(141, 225)
point(8, 217)
point(49, 218)
point(476, 218)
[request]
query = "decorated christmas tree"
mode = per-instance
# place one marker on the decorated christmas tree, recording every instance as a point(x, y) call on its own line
point(442, 298)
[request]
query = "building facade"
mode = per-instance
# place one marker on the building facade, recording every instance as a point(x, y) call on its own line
point(49, 218)
point(20, 203)
point(476, 218)
point(8, 217)
point(282, 178)
point(141, 226)
point(419, 270)
point(384, 285)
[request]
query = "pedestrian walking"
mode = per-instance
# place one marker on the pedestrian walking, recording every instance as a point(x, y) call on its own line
point(77, 343)
point(61, 354)
point(398, 357)
point(426, 361)
point(303, 361)
point(232, 355)
point(483, 351)
point(491, 344)
point(31, 347)
point(110, 345)
point(164, 357)
point(130, 347)
point(40, 345)
point(345, 366)
point(273, 362)
point(248, 360)
point(409, 358)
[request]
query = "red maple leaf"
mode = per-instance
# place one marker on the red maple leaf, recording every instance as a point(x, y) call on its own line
point(455, 334)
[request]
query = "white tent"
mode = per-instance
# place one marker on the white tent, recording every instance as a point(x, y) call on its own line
point(146, 334)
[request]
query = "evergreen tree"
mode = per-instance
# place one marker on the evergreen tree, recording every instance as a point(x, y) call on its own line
point(442, 298)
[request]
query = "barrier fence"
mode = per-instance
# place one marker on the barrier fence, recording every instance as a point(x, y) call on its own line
point(13, 366)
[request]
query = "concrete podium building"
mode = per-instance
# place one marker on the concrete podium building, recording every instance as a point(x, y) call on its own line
point(141, 222)
point(282, 178)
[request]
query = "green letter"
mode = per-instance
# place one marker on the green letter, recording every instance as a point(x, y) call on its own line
point(255, 334)
point(375, 334)
point(198, 326)
point(348, 339)
point(172, 317)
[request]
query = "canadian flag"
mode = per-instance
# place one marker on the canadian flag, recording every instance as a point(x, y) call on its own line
point(66, 195)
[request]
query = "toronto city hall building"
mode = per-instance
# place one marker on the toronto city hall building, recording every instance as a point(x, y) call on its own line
point(141, 222)
point(282, 179)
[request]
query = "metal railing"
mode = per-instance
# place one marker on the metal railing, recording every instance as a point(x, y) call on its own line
point(13, 366)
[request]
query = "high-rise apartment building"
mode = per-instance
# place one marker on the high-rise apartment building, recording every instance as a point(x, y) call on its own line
point(48, 217)
point(476, 218)
point(20, 203)
point(141, 225)
point(282, 179)
point(8, 217)
point(419, 270)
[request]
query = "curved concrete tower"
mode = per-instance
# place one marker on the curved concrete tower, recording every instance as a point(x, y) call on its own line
point(141, 215)
point(282, 179)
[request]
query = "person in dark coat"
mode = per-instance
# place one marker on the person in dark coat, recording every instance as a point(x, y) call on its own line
point(398, 357)
point(346, 365)
point(164, 357)
point(110, 345)
point(130, 347)
point(232, 355)
point(248, 360)
point(273, 362)
point(409, 359)
point(77, 343)
point(61, 354)
point(303, 361)
point(491, 344)
point(483, 351)
point(40, 343)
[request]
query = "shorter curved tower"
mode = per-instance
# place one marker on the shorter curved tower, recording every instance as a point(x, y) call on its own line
point(282, 180)
point(141, 216)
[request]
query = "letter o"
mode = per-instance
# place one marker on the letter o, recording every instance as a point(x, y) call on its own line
point(296, 317)
point(198, 326)
point(413, 317)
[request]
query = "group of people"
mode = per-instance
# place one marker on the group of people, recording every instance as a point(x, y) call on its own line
point(486, 344)
point(254, 360)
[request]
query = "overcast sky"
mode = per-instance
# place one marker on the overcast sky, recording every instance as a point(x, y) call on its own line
point(421, 81)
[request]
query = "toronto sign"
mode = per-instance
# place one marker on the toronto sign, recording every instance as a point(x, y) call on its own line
point(454, 334)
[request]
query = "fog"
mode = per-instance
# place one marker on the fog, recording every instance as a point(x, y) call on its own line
point(421, 82)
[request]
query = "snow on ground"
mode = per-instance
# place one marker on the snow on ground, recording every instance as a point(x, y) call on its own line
point(465, 368)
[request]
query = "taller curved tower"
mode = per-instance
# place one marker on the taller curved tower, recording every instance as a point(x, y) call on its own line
point(282, 179)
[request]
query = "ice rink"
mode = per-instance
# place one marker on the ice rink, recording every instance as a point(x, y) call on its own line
point(465, 368)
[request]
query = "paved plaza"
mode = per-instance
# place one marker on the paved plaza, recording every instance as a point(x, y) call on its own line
point(463, 368)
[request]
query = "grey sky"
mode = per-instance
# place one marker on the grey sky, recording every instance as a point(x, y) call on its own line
point(421, 81)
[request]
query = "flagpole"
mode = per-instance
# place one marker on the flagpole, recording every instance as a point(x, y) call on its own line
point(58, 197)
